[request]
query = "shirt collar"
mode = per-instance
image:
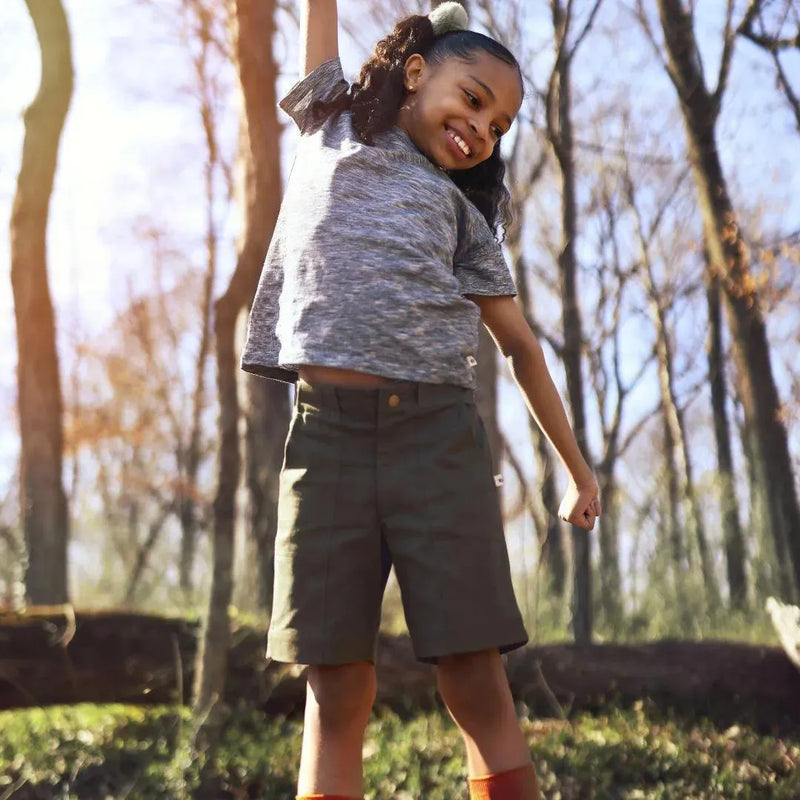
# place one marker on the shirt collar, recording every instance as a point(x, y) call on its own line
point(398, 140)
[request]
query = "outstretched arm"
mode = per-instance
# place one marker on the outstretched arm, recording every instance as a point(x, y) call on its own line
point(505, 321)
point(319, 34)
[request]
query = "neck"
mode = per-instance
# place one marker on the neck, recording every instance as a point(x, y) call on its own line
point(403, 120)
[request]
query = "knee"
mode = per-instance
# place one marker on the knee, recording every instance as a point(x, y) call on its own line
point(474, 687)
point(341, 696)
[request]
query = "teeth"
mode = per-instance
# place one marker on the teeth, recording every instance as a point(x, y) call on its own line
point(461, 143)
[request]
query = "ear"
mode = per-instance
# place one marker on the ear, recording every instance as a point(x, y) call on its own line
point(414, 71)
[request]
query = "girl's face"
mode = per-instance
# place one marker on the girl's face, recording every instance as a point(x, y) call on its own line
point(455, 112)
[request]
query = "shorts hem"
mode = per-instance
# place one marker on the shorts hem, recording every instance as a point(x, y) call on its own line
point(429, 653)
point(287, 648)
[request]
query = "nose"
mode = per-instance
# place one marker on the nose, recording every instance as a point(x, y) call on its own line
point(481, 132)
point(481, 125)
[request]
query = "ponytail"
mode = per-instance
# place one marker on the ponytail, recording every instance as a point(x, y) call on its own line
point(379, 91)
point(375, 98)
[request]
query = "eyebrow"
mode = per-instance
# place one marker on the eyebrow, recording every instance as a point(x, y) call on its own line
point(491, 94)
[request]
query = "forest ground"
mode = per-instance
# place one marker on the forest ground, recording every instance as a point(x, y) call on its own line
point(100, 752)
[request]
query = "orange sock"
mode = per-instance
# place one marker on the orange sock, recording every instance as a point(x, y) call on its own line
point(325, 797)
point(516, 784)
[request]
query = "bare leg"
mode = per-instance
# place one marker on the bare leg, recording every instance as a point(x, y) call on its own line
point(338, 704)
point(475, 688)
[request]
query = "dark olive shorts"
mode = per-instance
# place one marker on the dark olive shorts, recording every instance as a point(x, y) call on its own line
point(373, 477)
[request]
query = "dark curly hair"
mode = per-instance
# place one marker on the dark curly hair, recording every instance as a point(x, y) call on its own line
point(375, 99)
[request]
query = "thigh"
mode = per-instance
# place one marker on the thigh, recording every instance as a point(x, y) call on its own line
point(447, 541)
point(328, 566)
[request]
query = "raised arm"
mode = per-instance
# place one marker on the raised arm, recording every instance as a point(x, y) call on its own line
point(319, 34)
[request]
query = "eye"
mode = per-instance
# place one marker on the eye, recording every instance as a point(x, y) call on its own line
point(472, 99)
point(497, 132)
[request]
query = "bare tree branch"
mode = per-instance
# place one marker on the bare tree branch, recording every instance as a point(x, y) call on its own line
point(774, 44)
point(641, 16)
point(586, 28)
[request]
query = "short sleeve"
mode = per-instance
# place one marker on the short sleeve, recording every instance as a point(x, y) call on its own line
point(479, 264)
point(321, 85)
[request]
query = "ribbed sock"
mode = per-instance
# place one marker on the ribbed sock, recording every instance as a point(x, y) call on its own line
point(325, 797)
point(516, 784)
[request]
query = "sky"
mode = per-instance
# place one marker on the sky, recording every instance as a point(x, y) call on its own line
point(131, 146)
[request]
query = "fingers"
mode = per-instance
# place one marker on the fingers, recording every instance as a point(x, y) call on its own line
point(582, 510)
point(583, 520)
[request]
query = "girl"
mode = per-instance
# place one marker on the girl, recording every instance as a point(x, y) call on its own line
point(384, 260)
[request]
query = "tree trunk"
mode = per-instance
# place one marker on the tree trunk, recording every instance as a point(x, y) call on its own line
point(673, 419)
point(770, 566)
point(142, 557)
point(729, 260)
point(560, 133)
point(545, 500)
point(610, 602)
point(267, 422)
point(254, 21)
point(189, 461)
point(553, 548)
point(729, 504)
point(42, 498)
point(677, 548)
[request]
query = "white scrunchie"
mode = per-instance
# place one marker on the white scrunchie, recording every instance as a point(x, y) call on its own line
point(448, 17)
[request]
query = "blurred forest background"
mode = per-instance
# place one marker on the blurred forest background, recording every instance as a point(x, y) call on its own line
point(654, 169)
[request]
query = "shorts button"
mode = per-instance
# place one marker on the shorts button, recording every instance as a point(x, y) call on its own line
point(394, 401)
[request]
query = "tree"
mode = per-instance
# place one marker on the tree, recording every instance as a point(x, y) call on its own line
point(729, 259)
point(545, 495)
point(190, 452)
point(42, 498)
point(678, 454)
point(254, 26)
point(561, 136)
point(756, 27)
point(613, 276)
point(734, 538)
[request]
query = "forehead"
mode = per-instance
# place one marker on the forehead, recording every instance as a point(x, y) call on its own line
point(483, 68)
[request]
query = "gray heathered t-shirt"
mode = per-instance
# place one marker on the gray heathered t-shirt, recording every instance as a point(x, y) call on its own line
point(373, 254)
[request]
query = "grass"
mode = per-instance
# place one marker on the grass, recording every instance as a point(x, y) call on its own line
point(104, 752)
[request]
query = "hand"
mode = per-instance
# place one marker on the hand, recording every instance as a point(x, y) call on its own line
point(581, 505)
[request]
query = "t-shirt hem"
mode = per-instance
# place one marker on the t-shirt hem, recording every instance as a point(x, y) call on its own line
point(287, 371)
point(270, 371)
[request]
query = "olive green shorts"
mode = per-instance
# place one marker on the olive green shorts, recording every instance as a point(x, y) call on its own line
point(397, 475)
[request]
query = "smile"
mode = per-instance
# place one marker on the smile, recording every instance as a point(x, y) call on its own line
point(462, 145)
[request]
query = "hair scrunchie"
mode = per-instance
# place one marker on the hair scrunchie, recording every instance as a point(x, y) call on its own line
point(450, 16)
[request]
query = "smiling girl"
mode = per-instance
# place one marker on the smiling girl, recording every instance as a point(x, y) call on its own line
point(384, 262)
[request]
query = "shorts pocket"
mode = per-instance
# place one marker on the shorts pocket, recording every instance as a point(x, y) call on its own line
point(311, 472)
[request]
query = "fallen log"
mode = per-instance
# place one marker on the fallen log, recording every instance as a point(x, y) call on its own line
point(722, 680)
point(49, 658)
point(97, 657)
